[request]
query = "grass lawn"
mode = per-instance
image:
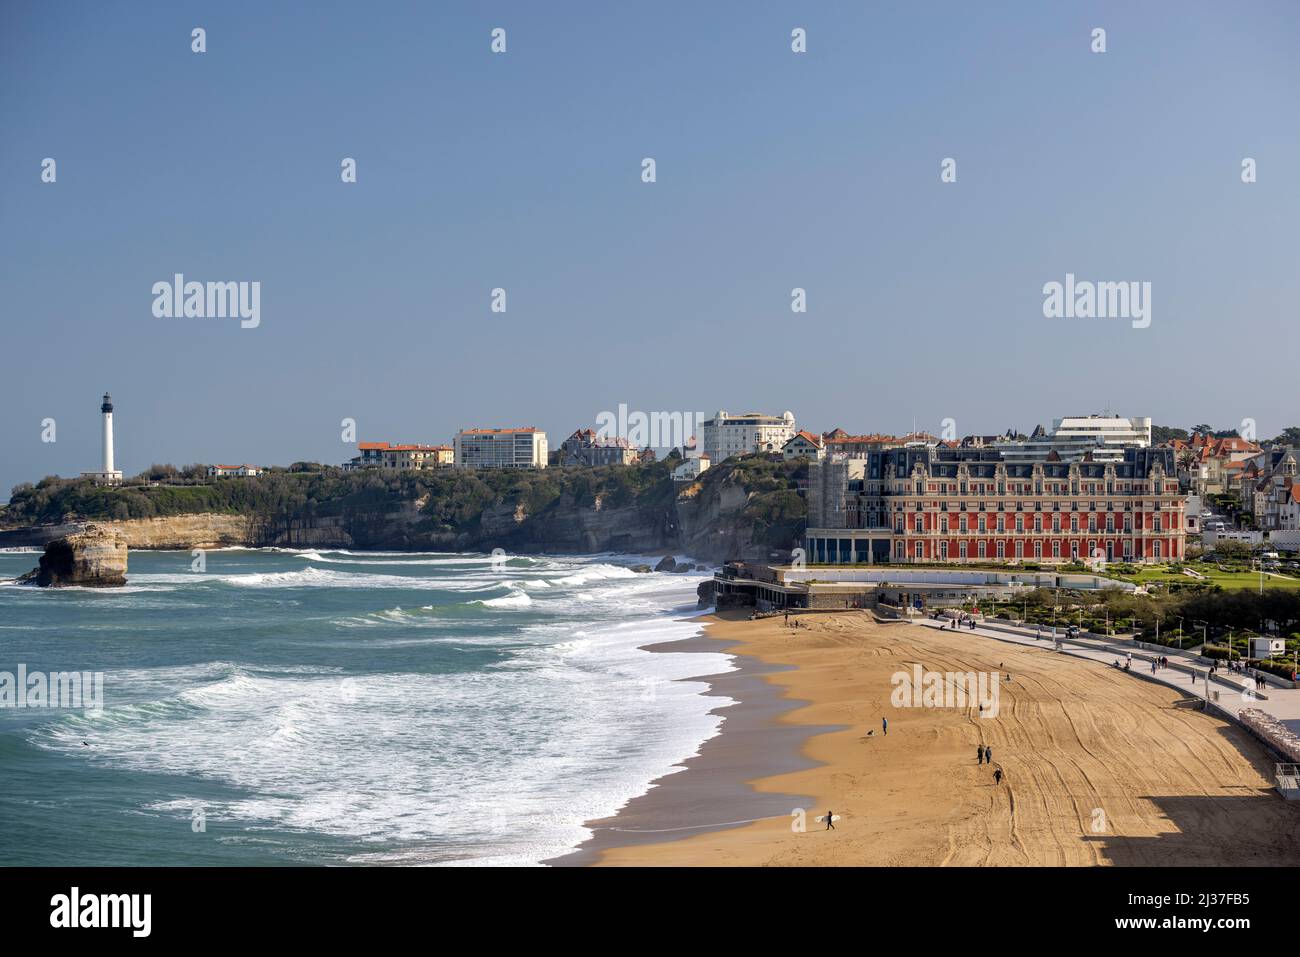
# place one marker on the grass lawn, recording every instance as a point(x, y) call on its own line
point(1160, 574)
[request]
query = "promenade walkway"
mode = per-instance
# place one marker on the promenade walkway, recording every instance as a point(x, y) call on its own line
point(1233, 693)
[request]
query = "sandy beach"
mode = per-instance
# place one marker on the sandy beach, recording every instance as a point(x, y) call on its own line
point(1100, 768)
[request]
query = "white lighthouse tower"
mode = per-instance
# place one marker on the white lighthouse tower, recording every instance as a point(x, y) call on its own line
point(106, 475)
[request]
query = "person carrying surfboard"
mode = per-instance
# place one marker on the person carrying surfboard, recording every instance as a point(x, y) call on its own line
point(830, 820)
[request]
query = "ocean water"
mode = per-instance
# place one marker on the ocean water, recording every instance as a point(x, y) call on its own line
point(332, 707)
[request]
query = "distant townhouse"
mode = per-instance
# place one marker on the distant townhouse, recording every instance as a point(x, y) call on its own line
point(1267, 487)
point(500, 448)
point(394, 457)
point(1210, 464)
point(234, 471)
point(840, 444)
point(726, 435)
point(691, 468)
point(585, 447)
point(804, 445)
point(942, 504)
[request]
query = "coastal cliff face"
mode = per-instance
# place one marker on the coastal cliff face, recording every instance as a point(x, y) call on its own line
point(94, 557)
point(746, 509)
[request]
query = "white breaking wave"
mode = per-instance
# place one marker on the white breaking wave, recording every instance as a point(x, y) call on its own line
point(540, 720)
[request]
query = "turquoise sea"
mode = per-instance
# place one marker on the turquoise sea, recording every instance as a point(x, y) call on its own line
point(331, 707)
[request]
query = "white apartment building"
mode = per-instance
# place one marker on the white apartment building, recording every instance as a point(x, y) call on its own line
point(500, 448)
point(1071, 437)
point(727, 435)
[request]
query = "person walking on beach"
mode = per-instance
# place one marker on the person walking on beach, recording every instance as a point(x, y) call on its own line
point(988, 754)
point(979, 754)
point(884, 726)
point(830, 820)
point(997, 776)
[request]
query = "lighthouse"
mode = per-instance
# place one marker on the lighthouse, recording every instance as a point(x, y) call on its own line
point(107, 410)
point(106, 475)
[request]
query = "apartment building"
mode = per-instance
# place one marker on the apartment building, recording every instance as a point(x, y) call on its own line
point(726, 435)
point(944, 504)
point(500, 448)
point(1105, 437)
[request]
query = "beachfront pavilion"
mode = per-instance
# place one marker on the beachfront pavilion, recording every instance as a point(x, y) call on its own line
point(769, 587)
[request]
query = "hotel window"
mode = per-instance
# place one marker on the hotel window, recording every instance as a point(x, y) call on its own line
point(943, 525)
point(1128, 550)
point(943, 551)
point(1002, 524)
point(1074, 523)
point(963, 488)
point(981, 549)
point(919, 524)
point(1092, 523)
point(1002, 548)
point(1110, 523)
point(961, 550)
point(1056, 549)
point(1155, 524)
point(1074, 551)
point(1020, 549)
point(1020, 523)
point(1056, 523)
point(1155, 549)
point(919, 550)
point(1038, 487)
point(961, 523)
point(1038, 549)
point(983, 526)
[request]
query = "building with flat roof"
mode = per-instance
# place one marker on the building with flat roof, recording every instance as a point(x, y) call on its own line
point(726, 435)
point(1070, 438)
point(500, 448)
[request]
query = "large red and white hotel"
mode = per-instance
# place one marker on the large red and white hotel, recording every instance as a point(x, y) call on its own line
point(968, 505)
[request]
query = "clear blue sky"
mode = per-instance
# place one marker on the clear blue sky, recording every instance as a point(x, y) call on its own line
point(775, 170)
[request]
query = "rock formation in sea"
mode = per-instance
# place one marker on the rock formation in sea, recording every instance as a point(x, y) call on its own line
point(94, 557)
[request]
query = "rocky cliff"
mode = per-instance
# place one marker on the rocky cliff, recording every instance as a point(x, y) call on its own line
point(746, 509)
point(94, 557)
